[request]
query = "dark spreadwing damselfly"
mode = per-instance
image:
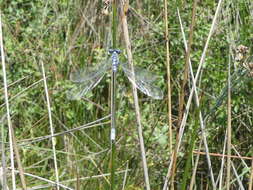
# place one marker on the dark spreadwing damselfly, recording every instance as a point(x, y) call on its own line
point(88, 78)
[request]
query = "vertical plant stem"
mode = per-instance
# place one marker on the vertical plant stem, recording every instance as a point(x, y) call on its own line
point(113, 98)
point(51, 125)
point(13, 139)
point(7, 107)
point(193, 90)
point(11, 131)
point(229, 126)
point(139, 9)
point(182, 94)
point(20, 168)
point(202, 125)
point(113, 127)
point(4, 176)
point(251, 175)
point(170, 135)
point(125, 177)
point(193, 137)
point(136, 103)
point(186, 67)
point(195, 167)
point(222, 162)
point(114, 23)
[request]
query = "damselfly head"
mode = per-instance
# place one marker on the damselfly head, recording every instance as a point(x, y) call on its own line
point(114, 50)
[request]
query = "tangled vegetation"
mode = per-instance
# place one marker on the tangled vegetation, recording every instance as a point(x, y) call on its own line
point(63, 36)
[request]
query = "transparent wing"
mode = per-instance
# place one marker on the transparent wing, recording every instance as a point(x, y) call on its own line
point(82, 88)
point(144, 81)
point(90, 73)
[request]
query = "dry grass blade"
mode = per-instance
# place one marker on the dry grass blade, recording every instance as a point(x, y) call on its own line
point(183, 123)
point(200, 113)
point(46, 180)
point(237, 177)
point(182, 93)
point(136, 103)
point(23, 91)
point(202, 60)
point(195, 168)
point(50, 124)
point(222, 163)
point(3, 173)
point(170, 135)
point(20, 167)
point(125, 177)
point(229, 125)
point(86, 126)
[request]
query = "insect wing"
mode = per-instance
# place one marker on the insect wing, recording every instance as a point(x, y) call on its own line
point(144, 81)
point(90, 73)
point(82, 88)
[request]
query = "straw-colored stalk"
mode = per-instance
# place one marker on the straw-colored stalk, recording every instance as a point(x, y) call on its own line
point(123, 5)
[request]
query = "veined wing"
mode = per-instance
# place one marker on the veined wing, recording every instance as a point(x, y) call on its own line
point(82, 88)
point(90, 73)
point(144, 81)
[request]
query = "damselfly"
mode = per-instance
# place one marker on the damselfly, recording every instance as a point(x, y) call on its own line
point(87, 79)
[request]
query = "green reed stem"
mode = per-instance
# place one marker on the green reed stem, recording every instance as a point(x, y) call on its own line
point(114, 23)
point(113, 98)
